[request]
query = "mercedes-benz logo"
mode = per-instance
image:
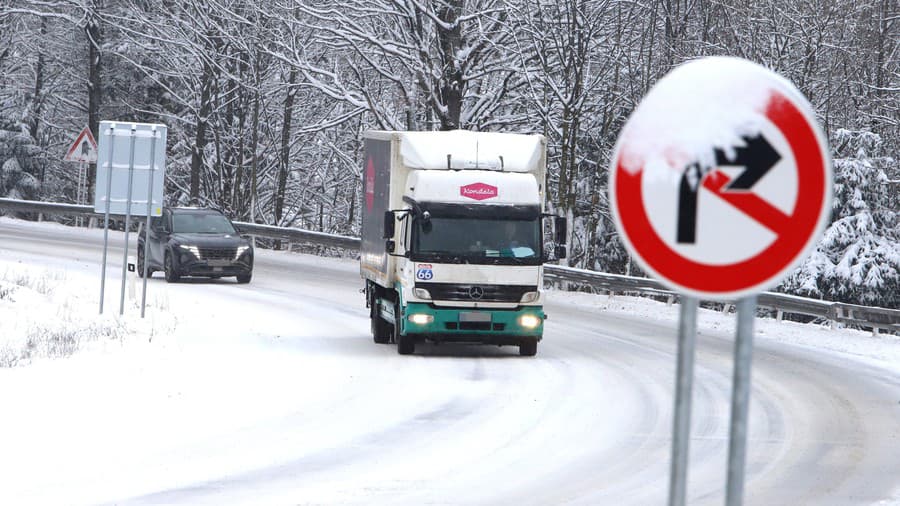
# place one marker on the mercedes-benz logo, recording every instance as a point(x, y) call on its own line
point(476, 292)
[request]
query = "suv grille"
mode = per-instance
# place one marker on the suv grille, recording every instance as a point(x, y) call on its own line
point(476, 293)
point(218, 253)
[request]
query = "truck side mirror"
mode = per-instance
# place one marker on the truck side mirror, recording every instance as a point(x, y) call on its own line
point(388, 226)
point(561, 229)
point(560, 251)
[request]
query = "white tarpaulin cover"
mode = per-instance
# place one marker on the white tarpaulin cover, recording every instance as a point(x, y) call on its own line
point(470, 150)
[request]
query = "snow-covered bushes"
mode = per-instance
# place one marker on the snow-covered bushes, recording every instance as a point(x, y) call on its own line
point(45, 314)
point(858, 258)
point(19, 165)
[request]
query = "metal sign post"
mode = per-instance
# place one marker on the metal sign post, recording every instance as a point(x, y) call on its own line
point(112, 129)
point(684, 382)
point(79, 197)
point(137, 155)
point(127, 218)
point(83, 151)
point(145, 267)
point(720, 183)
point(740, 400)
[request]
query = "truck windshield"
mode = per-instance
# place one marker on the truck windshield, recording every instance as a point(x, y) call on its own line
point(196, 223)
point(478, 240)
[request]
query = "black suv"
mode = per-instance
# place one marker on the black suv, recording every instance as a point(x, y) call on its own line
point(195, 242)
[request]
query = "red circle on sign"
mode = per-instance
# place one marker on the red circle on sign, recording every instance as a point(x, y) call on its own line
point(750, 274)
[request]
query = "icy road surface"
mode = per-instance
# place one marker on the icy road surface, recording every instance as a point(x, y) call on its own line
point(274, 393)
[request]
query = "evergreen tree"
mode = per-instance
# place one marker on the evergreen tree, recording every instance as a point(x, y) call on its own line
point(19, 163)
point(858, 258)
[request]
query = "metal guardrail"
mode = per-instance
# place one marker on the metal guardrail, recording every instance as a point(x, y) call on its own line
point(298, 235)
point(266, 231)
point(850, 314)
point(51, 208)
point(620, 283)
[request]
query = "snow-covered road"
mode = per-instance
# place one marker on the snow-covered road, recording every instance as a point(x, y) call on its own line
point(274, 393)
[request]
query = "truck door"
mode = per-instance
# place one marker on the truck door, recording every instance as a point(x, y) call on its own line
point(406, 232)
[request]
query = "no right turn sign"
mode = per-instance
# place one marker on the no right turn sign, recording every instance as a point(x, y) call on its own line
point(721, 179)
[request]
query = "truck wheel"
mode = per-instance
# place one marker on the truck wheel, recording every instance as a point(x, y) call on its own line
point(405, 344)
point(528, 348)
point(381, 330)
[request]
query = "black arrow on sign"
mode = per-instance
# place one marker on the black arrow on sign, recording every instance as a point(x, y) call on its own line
point(757, 157)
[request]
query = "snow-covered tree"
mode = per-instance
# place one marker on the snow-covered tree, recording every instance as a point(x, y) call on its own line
point(266, 99)
point(858, 258)
point(19, 165)
point(411, 64)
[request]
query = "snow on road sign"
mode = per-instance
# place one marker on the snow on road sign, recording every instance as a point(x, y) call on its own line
point(721, 179)
point(84, 149)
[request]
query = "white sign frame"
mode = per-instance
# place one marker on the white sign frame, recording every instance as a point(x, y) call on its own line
point(116, 143)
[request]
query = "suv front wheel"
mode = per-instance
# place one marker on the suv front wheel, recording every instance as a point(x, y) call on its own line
point(140, 263)
point(172, 275)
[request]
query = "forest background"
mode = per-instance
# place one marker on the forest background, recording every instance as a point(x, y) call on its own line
point(266, 100)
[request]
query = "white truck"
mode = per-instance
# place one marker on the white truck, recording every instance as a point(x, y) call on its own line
point(453, 238)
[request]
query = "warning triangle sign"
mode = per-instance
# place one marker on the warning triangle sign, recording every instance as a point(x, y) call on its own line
point(84, 149)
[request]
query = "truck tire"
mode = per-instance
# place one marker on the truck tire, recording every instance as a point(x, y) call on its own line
point(381, 330)
point(528, 348)
point(406, 345)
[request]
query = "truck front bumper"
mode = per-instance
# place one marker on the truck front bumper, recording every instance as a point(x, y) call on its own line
point(492, 326)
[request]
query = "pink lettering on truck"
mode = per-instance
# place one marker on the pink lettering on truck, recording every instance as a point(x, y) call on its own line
point(478, 191)
point(370, 184)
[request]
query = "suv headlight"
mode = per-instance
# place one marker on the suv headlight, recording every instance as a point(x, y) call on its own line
point(240, 251)
point(192, 249)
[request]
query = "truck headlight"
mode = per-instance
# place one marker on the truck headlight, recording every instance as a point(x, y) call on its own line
point(421, 293)
point(420, 318)
point(192, 249)
point(530, 296)
point(529, 321)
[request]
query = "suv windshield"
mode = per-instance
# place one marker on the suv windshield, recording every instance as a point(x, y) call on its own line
point(199, 223)
point(478, 240)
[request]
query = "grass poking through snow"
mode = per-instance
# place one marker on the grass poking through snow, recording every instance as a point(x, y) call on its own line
point(45, 315)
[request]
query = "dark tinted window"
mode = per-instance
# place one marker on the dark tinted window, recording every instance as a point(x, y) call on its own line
point(200, 223)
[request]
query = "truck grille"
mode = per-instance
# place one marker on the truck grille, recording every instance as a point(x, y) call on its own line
point(475, 326)
point(217, 253)
point(476, 293)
